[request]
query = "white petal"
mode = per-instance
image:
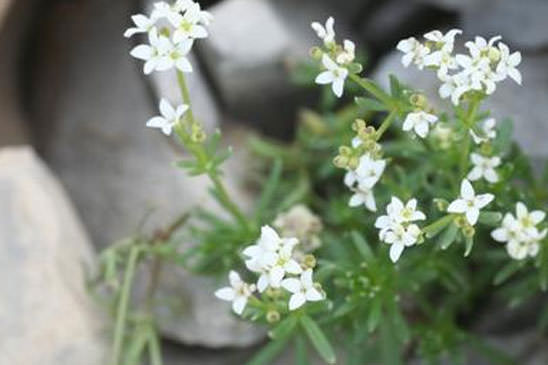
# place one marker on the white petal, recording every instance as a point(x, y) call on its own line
point(475, 174)
point(329, 63)
point(234, 279)
point(457, 206)
point(500, 235)
point(167, 110)
point(338, 87)
point(238, 305)
point(396, 251)
point(156, 122)
point(491, 176)
point(421, 129)
point(275, 276)
point(313, 295)
point(293, 267)
point(484, 199)
point(227, 294)
point(521, 210)
point(296, 301)
point(292, 285)
point(142, 52)
point(306, 278)
point(262, 283)
point(466, 190)
point(356, 200)
point(183, 64)
point(472, 215)
point(537, 216)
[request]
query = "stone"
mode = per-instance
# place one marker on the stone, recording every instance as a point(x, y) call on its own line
point(89, 110)
point(14, 20)
point(522, 24)
point(525, 105)
point(246, 56)
point(46, 313)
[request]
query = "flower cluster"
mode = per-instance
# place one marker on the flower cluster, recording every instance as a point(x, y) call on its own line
point(364, 165)
point(521, 233)
point(337, 60)
point(171, 31)
point(396, 227)
point(486, 64)
point(272, 259)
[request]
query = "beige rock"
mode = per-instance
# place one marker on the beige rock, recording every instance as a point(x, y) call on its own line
point(46, 314)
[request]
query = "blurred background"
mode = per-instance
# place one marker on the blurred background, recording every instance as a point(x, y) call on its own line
point(78, 169)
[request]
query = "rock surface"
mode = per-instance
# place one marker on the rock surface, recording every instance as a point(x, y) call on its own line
point(116, 170)
point(46, 314)
point(521, 23)
point(525, 105)
point(245, 56)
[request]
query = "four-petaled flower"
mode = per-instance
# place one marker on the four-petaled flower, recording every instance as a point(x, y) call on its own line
point(363, 196)
point(488, 131)
point(303, 290)
point(169, 117)
point(143, 24)
point(484, 167)
point(469, 203)
point(188, 25)
point(238, 292)
point(155, 54)
point(419, 122)
point(333, 74)
point(348, 53)
point(413, 51)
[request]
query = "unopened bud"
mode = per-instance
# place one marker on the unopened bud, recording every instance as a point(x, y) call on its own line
point(486, 149)
point(340, 161)
point(468, 231)
point(354, 68)
point(272, 316)
point(353, 162)
point(370, 131)
point(493, 54)
point(460, 221)
point(345, 151)
point(309, 262)
point(441, 204)
point(418, 100)
point(358, 125)
point(316, 53)
point(272, 292)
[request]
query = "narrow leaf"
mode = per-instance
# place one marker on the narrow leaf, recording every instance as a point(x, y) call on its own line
point(362, 246)
point(284, 329)
point(448, 236)
point(318, 339)
point(370, 104)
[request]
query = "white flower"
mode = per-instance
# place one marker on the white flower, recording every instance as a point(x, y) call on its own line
point(444, 41)
point(284, 264)
point(263, 255)
point(508, 63)
point(164, 10)
point(327, 33)
point(401, 213)
point(521, 234)
point(454, 86)
point(334, 75)
point(348, 54)
point(469, 203)
point(488, 129)
point(414, 52)
point(143, 24)
point(169, 117)
point(419, 122)
point(528, 220)
point(178, 55)
point(369, 171)
point(303, 290)
point(155, 54)
point(484, 167)
point(238, 292)
point(188, 25)
point(363, 196)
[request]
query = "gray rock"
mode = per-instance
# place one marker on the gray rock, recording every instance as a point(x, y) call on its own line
point(92, 116)
point(451, 5)
point(521, 23)
point(246, 55)
point(525, 105)
point(14, 20)
point(46, 315)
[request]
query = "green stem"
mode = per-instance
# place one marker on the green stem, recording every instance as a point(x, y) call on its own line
point(386, 124)
point(372, 88)
point(468, 123)
point(121, 312)
point(201, 154)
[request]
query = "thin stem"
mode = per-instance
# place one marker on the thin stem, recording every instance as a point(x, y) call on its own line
point(468, 123)
point(154, 348)
point(386, 124)
point(121, 312)
point(202, 156)
point(373, 89)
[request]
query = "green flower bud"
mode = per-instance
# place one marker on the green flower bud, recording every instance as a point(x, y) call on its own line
point(359, 125)
point(486, 149)
point(419, 100)
point(316, 53)
point(355, 68)
point(272, 292)
point(460, 221)
point(309, 262)
point(353, 162)
point(272, 316)
point(441, 204)
point(370, 131)
point(345, 151)
point(493, 54)
point(468, 231)
point(340, 161)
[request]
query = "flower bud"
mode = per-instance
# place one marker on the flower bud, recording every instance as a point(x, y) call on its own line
point(340, 161)
point(345, 151)
point(309, 262)
point(486, 149)
point(272, 292)
point(353, 162)
point(369, 145)
point(418, 100)
point(354, 68)
point(370, 131)
point(441, 204)
point(493, 54)
point(316, 53)
point(460, 221)
point(468, 231)
point(272, 316)
point(358, 125)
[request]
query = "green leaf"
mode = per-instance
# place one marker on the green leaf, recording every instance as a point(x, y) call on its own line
point(448, 236)
point(318, 339)
point(370, 104)
point(284, 329)
point(490, 218)
point(469, 243)
point(390, 348)
point(507, 271)
point(395, 86)
point(362, 246)
point(435, 228)
point(344, 309)
point(374, 314)
point(269, 189)
point(269, 352)
point(301, 356)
